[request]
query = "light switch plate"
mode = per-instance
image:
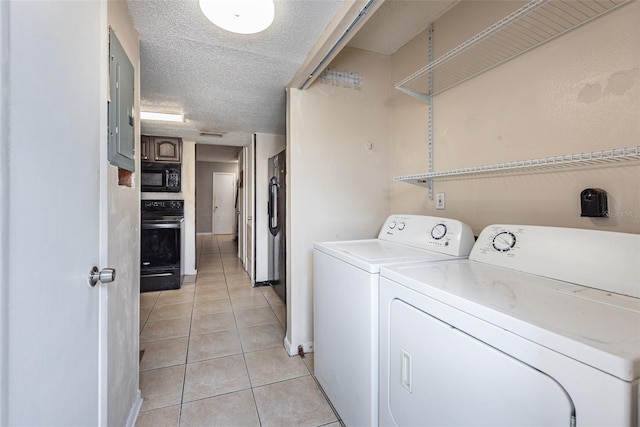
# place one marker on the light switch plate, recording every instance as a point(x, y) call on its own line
point(440, 201)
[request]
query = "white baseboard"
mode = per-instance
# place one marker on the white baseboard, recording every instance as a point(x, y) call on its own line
point(189, 278)
point(292, 349)
point(135, 410)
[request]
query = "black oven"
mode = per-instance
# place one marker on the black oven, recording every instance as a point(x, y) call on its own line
point(161, 237)
point(160, 177)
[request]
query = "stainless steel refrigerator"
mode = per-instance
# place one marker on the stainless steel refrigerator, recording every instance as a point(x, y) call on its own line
point(277, 221)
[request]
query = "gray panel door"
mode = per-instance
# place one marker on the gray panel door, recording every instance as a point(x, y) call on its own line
point(121, 120)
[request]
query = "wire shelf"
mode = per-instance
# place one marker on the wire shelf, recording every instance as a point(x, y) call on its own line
point(528, 27)
point(595, 158)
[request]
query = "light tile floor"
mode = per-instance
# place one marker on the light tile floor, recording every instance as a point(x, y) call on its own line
point(214, 354)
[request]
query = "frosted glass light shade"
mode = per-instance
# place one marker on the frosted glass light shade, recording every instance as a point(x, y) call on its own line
point(162, 117)
point(239, 16)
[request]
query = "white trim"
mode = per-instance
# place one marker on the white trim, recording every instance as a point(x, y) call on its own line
point(103, 212)
point(4, 209)
point(189, 278)
point(292, 349)
point(135, 410)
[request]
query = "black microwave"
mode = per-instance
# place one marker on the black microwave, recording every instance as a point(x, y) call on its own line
point(160, 177)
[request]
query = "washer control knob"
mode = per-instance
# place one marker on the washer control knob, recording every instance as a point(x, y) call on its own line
point(504, 241)
point(439, 231)
point(401, 226)
point(392, 225)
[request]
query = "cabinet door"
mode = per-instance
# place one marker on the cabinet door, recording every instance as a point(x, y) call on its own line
point(167, 149)
point(146, 147)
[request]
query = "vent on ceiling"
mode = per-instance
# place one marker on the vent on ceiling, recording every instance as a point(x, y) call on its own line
point(216, 134)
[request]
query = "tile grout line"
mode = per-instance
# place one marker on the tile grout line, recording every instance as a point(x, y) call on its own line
point(230, 266)
point(244, 357)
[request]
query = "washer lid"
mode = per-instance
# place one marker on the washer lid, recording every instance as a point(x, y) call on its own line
point(371, 254)
point(592, 326)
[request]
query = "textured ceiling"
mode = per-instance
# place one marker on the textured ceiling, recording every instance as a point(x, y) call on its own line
point(235, 84)
point(223, 82)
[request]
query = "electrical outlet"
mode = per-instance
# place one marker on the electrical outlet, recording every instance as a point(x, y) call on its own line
point(439, 200)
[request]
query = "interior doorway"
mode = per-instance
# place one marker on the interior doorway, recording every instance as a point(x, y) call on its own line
point(224, 203)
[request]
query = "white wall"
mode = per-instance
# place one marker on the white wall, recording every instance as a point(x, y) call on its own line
point(338, 187)
point(578, 93)
point(188, 194)
point(122, 391)
point(266, 146)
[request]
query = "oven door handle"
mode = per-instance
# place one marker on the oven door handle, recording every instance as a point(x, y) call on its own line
point(157, 275)
point(150, 226)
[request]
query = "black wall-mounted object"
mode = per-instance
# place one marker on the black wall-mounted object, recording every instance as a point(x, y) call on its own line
point(593, 203)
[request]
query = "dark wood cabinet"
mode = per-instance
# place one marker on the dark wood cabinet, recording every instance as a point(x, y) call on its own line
point(161, 149)
point(167, 149)
point(146, 148)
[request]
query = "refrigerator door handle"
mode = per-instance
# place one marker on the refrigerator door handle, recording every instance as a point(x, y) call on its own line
point(274, 227)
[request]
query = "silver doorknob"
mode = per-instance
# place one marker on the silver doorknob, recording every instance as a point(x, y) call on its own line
point(107, 275)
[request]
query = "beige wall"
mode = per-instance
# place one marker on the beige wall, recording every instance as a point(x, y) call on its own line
point(338, 188)
point(578, 93)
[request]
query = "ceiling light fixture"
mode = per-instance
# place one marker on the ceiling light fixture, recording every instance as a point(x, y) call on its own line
point(239, 16)
point(162, 117)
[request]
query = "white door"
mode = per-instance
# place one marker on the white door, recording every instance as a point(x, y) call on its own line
point(53, 135)
point(224, 197)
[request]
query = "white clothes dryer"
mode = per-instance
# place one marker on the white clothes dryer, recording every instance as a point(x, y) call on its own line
point(539, 327)
point(345, 304)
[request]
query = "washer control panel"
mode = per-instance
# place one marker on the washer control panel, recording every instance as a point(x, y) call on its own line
point(443, 235)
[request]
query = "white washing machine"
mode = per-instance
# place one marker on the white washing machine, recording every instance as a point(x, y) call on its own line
point(345, 304)
point(539, 327)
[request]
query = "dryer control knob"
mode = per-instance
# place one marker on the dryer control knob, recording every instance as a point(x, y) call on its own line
point(392, 225)
point(439, 231)
point(504, 241)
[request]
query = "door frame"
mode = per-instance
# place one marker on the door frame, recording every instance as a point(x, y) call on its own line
point(4, 211)
point(249, 205)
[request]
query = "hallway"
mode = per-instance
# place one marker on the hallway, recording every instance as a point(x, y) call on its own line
point(212, 353)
